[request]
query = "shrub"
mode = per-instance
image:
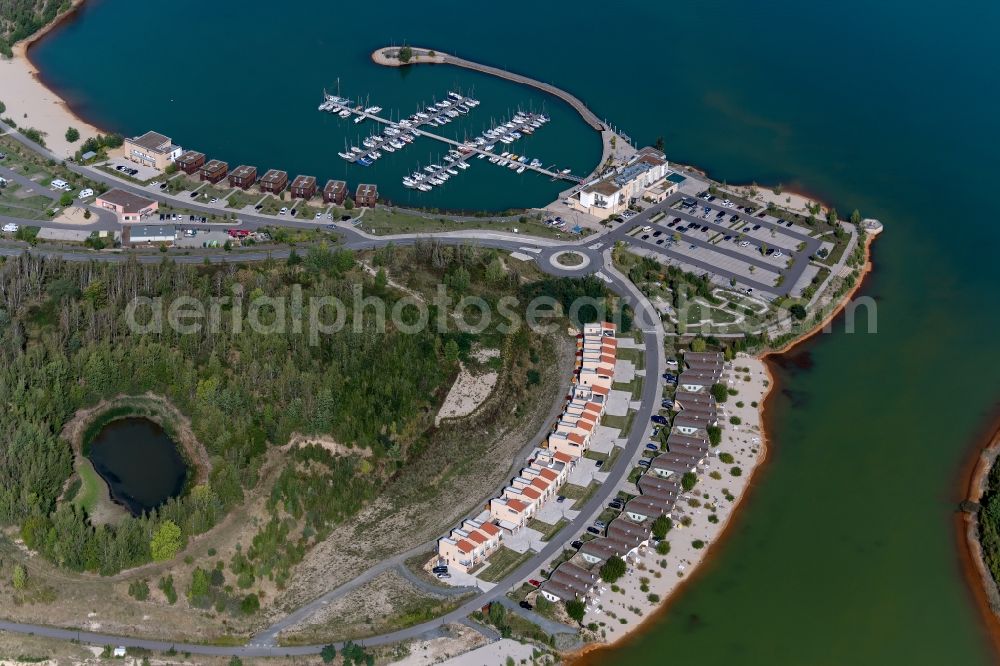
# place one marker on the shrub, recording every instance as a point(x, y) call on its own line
point(719, 392)
point(613, 569)
point(663, 548)
point(726, 458)
point(661, 526)
point(735, 420)
point(689, 480)
point(736, 471)
point(698, 544)
point(72, 134)
point(250, 604)
point(139, 590)
point(575, 609)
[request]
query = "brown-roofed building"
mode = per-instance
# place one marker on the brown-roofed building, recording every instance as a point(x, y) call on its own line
point(190, 161)
point(243, 176)
point(214, 171)
point(127, 206)
point(366, 195)
point(303, 187)
point(274, 181)
point(335, 192)
point(152, 149)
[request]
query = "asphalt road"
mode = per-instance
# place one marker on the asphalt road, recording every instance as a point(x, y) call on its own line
point(598, 253)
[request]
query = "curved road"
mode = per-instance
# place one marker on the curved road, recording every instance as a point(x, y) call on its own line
point(597, 251)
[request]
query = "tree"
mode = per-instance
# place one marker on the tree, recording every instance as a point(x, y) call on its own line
point(20, 577)
point(72, 134)
point(659, 143)
point(798, 311)
point(613, 569)
point(831, 216)
point(661, 526)
point(66, 199)
point(328, 653)
point(689, 480)
point(698, 345)
point(451, 351)
point(250, 604)
point(720, 392)
point(856, 217)
point(200, 584)
point(405, 54)
point(575, 609)
point(714, 435)
point(348, 203)
point(235, 661)
point(166, 541)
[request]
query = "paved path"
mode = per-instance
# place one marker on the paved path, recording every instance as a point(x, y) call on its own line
point(646, 320)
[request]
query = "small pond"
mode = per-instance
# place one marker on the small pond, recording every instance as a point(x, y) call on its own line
point(140, 463)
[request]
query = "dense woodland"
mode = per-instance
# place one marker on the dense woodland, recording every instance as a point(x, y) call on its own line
point(23, 18)
point(64, 344)
point(989, 522)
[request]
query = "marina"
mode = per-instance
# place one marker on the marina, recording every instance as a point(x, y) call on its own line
point(396, 135)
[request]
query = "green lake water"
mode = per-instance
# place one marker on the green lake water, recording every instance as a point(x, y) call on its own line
point(845, 552)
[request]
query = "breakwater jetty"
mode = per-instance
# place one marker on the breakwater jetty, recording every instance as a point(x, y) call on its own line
point(390, 58)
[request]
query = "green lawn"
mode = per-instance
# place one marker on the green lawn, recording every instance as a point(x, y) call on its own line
point(548, 531)
point(502, 563)
point(634, 387)
point(637, 356)
point(91, 486)
point(579, 493)
point(383, 221)
point(623, 423)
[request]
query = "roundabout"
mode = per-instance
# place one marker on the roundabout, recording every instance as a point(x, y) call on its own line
point(569, 260)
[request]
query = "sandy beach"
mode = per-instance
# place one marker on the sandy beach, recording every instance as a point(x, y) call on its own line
point(31, 104)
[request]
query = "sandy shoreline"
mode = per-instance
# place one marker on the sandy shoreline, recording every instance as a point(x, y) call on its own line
point(592, 654)
point(25, 95)
point(982, 587)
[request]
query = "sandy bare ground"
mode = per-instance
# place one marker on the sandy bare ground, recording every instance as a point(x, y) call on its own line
point(468, 392)
point(324, 441)
point(31, 104)
point(663, 575)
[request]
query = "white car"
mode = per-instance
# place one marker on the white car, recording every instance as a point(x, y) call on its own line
point(777, 253)
point(745, 244)
point(283, 211)
point(59, 184)
point(10, 227)
point(85, 193)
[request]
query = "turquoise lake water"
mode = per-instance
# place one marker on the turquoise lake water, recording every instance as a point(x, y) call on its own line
point(845, 551)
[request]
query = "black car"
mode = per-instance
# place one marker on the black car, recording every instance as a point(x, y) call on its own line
point(258, 206)
point(615, 504)
point(704, 227)
point(163, 186)
point(657, 233)
point(727, 238)
point(441, 569)
point(670, 224)
point(762, 213)
point(734, 217)
point(193, 195)
point(599, 463)
point(756, 227)
point(645, 237)
point(593, 530)
point(656, 418)
point(788, 224)
point(659, 241)
point(162, 216)
point(720, 214)
point(577, 544)
point(525, 605)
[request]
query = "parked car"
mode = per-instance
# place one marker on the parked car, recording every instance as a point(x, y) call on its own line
point(600, 524)
point(652, 447)
point(525, 605)
point(283, 211)
point(656, 418)
point(577, 544)
point(534, 583)
point(444, 576)
point(599, 463)
point(10, 228)
point(667, 404)
point(593, 530)
point(615, 504)
point(193, 195)
point(643, 463)
point(85, 193)
point(440, 569)
point(561, 498)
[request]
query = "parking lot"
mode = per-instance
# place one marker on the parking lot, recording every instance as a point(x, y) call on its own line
point(137, 171)
point(706, 234)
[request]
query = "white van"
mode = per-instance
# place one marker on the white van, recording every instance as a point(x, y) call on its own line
point(86, 193)
point(59, 184)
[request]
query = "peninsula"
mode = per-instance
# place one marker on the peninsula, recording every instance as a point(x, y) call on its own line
point(372, 468)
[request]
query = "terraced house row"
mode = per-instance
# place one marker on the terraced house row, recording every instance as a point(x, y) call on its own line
point(659, 488)
point(550, 465)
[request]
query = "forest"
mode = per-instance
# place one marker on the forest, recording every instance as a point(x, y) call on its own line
point(23, 18)
point(65, 345)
